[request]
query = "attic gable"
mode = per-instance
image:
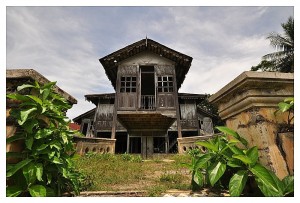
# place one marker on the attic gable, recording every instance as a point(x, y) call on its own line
point(182, 62)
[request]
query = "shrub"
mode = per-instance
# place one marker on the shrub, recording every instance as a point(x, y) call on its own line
point(47, 167)
point(223, 154)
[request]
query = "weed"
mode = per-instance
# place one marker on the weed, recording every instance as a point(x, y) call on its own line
point(156, 190)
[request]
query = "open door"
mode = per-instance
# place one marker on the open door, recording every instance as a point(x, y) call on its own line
point(147, 88)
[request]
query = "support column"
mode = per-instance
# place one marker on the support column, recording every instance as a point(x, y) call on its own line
point(128, 143)
point(248, 105)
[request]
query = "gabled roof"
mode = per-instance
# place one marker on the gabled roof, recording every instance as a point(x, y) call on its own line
point(95, 98)
point(192, 96)
point(89, 113)
point(182, 61)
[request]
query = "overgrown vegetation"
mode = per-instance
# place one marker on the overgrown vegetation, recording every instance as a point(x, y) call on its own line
point(46, 167)
point(228, 154)
point(123, 172)
point(287, 105)
point(212, 110)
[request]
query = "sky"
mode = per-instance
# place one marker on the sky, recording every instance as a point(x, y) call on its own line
point(65, 44)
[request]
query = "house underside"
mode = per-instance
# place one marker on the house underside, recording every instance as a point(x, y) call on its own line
point(145, 132)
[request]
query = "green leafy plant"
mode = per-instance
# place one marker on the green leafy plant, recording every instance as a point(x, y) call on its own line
point(198, 167)
point(229, 152)
point(46, 168)
point(287, 105)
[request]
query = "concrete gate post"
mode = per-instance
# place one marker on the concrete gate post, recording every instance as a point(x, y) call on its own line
point(247, 104)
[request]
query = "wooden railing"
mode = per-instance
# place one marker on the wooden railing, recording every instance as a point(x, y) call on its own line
point(148, 102)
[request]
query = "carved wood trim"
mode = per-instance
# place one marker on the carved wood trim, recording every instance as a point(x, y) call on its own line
point(164, 69)
point(131, 70)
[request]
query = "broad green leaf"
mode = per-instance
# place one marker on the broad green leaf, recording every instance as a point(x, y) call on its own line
point(48, 85)
point(65, 172)
point(14, 138)
point(64, 136)
point(216, 171)
point(51, 154)
point(29, 172)
point(236, 150)
point(18, 97)
point(201, 160)
point(245, 159)
point(29, 142)
point(288, 184)
point(25, 114)
point(265, 181)
point(35, 99)
point(278, 182)
point(17, 167)
point(39, 171)
point(237, 183)
point(30, 124)
point(235, 163)
point(43, 133)
point(49, 178)
point(208, 145)
point(55, 144)
point(252, 153)
point(9, 166)
point(41, 147)
point(13, 191)
point(229, 131)
point(56, 160)
point(37, 85)
point(233, 140)
point(198, 178)
point(289, 99)
point(284, 106)
point(19, 88)
point(37, 191)
point(45, 93)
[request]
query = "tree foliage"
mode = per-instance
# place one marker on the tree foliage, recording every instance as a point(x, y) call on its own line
point(282, 59)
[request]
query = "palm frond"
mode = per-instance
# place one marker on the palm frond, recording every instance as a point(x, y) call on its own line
point(277, 40)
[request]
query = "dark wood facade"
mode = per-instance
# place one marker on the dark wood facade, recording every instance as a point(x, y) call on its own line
point(146, 113)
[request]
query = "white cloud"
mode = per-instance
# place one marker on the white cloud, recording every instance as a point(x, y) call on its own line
point(65, 43)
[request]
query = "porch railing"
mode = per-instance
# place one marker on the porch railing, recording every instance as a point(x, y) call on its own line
point(148, 102)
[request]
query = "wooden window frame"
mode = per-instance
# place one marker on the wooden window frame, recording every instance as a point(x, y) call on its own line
point(128, 84)
point(165, 83)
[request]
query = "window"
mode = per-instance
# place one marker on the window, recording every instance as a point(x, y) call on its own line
point(128, 84)
point(165, 84)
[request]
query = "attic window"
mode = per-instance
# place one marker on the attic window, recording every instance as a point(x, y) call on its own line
point(128, 84)
point(165, 84)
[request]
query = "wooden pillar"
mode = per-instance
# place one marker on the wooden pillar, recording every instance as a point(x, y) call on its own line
point(166, 144)
point(177, 105)
point(128, 143)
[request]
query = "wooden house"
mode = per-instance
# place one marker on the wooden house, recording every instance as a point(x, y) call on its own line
point(146, 114)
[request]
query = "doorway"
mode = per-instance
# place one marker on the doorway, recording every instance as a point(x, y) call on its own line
point(147, 88)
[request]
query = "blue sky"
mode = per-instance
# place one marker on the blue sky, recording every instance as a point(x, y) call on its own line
point(65, 43)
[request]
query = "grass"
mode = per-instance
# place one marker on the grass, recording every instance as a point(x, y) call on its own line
point(129, 172)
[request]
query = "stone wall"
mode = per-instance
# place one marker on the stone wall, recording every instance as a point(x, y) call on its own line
point(97, 145)
point(188, 143)
point(248, 105)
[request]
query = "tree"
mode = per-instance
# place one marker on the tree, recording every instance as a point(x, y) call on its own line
point(282, 59)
